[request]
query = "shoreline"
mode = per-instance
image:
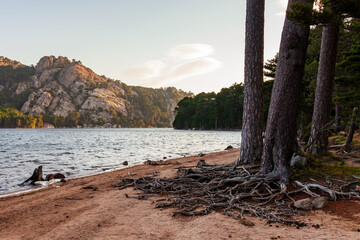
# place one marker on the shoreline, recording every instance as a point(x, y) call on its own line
point(90, 208)
point(47, 184)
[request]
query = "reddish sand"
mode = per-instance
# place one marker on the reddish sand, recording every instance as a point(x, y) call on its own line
point(70, 211)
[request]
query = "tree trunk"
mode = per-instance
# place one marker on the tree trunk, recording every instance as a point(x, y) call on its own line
point(337, 118)
point(350, 135)
point(301, 128)
point(318, 141)
point(281, 124)
point(251, 133)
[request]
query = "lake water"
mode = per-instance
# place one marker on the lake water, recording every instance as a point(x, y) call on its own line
point(81, 152)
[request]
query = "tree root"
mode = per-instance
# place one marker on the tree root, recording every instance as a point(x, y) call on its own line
point(237, 190)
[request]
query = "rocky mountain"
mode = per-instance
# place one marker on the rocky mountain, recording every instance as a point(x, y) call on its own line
point(66, 93)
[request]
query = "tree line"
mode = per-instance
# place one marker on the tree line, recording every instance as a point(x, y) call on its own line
point(223, 110)
point(12, 118)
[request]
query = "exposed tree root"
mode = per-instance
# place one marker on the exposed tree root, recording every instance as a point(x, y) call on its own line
point(235, 190)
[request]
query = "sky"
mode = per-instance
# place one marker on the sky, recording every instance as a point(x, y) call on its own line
point(193, 45)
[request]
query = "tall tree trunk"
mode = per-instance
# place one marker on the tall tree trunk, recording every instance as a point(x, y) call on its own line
point(251, 133)
point(281, 124)
point(318, 141)
point(337, 118)
point(350, 135)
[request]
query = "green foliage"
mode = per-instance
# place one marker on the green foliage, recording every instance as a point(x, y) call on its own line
point(329, 11)
point(300, 13)
point(10, 78)
point(319, 168)
point(348, 81)
point(210, 110)
point(216, 111)
point(270, 67)
point(12, 118)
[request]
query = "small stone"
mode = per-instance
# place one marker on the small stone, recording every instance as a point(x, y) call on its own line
point(125, 163)
point(201, 155)
point(164, 157)
point(229, 147)
point(319, 202)
point(304, 204)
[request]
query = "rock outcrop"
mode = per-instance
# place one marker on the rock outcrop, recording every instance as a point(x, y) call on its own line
point(61, 87)
point(8, 62)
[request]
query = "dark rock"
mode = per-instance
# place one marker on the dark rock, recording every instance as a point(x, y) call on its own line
point(229, 147)
point(201, 155)
point(125, 163)
point(54, 176)
point(164, 157)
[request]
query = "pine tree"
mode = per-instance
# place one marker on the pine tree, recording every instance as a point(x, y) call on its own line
point(251, 134)
point(281, 123)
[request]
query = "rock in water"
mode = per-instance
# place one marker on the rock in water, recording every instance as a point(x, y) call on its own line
point(54, 176)
point(304, 204)
point(319, 202)
point(125, 163)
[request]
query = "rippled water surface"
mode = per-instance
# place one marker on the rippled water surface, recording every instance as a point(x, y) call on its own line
point(79, 152)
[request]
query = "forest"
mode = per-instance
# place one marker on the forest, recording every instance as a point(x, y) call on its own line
point(12, 118)
point(223, 110)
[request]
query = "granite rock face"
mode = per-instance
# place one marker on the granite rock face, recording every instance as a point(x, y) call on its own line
point(61, 87)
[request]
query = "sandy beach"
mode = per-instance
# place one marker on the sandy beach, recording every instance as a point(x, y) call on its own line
point(90, 208)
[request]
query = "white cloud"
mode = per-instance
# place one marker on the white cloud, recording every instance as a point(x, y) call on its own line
point(187, 69)
point(189, 51)
point(181, 61)
point(146, 70)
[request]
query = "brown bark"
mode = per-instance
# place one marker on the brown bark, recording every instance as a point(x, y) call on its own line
point(350, 135)
point(281, 124)
point(251, 134)
point(318, 141)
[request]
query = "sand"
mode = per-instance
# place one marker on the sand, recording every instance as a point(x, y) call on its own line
point(70, 211)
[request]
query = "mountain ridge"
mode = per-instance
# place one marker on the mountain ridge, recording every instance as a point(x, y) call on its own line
point(63, 90)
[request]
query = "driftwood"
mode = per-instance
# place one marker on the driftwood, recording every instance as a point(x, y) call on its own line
point(36, 176)
point(236, 190)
